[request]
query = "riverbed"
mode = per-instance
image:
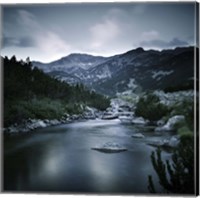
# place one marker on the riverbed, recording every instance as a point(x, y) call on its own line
point(59, 159)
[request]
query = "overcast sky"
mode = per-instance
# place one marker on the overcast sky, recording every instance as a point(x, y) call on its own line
point(48, 32)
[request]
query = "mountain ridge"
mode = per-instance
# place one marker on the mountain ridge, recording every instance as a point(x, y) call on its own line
point(150, 69)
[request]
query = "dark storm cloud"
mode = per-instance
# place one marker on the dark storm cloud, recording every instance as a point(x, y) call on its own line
point(50, 31)
point(175, 42)
point(18, 42)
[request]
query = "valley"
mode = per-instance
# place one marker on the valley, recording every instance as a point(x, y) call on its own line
point(97, 113)
point(100, 98)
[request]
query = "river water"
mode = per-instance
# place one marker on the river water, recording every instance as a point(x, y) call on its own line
point(60, 159)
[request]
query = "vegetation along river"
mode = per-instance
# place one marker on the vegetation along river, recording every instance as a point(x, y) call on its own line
point(60, 159)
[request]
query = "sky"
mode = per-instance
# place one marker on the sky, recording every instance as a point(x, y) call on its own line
point(50, 31)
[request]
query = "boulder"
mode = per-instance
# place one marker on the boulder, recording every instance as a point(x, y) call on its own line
point(166, 143)
point(90, 113)
point(12, 129)
point(110, 147)
point(139, 121)
point(160, 122)
point(170, 125)
point(54, 122)
point(75, 117)
point(138, 135)
point(38, 124)
point(174, 141)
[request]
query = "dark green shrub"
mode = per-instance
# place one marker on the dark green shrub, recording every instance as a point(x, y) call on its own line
point(42, 108)
point(189, 85)
point(186, 108)
point(178, 176)
point(149, 107)
point(30, 93)
point(73, 109)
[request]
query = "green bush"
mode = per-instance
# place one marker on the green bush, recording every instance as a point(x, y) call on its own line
point(177, 176)
point(45, 108)
point(149, 107)
point(16, 113)
point(30, 93)
point(42, 108)
point(74, 108)
point(186, 108)
point(189, 85)
point(184, 130)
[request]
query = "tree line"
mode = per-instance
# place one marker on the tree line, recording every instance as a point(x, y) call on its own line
point(25, 86)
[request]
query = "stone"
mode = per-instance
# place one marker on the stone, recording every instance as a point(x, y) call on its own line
point(160, 122)
point(166, 143)
point(174, 141)
point(138, 135)
point(54, 122)
point(110, 147)
point(13, 129)
point(139, 121)
point(170, 125)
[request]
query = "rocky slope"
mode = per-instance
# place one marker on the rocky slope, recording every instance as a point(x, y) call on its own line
point(134, 70)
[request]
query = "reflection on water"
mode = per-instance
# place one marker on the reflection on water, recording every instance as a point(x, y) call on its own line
point(60, 159)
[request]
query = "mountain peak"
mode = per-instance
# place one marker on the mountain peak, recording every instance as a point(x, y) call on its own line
point(149, 69)
point(139, 49)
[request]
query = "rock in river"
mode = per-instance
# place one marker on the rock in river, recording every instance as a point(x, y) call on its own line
point(166, 143)
point(110, 147)
point(138, 135)
point(139, 121)
point(170, 125)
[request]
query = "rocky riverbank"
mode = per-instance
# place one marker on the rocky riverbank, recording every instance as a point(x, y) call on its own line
point(32, 124)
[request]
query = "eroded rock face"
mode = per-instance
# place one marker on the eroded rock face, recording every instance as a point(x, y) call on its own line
point(110, 147)
point(174, 97)
point(170, 125)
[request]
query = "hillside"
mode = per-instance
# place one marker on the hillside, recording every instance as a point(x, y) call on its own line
point(30, 93)
point(145, 69)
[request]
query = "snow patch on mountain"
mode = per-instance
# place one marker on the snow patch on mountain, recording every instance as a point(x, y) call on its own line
point(161, 73)
point(134, 71)
point(132, 83)
point(105, 73)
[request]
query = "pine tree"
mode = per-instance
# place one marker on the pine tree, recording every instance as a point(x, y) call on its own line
point(178, 176)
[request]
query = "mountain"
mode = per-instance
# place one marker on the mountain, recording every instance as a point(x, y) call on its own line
point(72, 67)
point(134, 70)
point(147, 70)
point(83, 61)
point(29, 93)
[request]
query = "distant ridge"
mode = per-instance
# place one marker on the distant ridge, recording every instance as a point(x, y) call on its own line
point(146, 69)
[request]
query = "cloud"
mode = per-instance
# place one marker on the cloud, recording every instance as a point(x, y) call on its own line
point(105, 32)
point(158, 43)
point(28, 20)
point(139, 9)
point(116, 14)
point(178, 42)
point(150, 35)
point(49, 41)
point(18, 42)
point(35, 35)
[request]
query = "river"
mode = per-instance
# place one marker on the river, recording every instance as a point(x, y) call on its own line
point(60, 159)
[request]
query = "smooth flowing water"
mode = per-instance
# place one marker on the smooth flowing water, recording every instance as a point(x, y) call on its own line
point(60, 159)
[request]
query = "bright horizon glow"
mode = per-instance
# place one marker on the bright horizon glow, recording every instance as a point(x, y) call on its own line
point(92, 54)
